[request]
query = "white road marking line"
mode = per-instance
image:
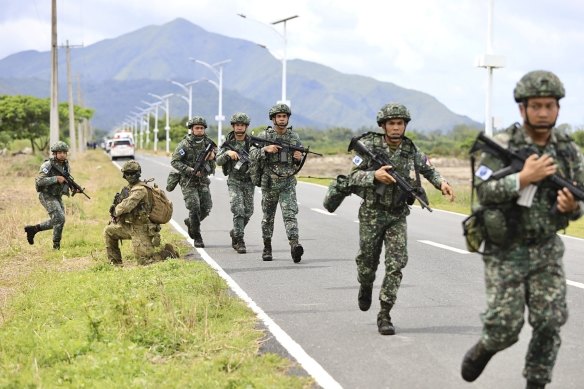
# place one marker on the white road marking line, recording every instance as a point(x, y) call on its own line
point(443, 246)
point(320, 375)
point(576, 284)
point(323, 211)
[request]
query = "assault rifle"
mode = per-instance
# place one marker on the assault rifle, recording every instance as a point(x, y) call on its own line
point(515, 162)
point(379, 161)
point(118, 197)
point(283, 145)
point(244, 159)
point(201, 161)
point(75, 188)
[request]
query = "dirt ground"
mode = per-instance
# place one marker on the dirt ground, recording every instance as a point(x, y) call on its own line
point(456, 171)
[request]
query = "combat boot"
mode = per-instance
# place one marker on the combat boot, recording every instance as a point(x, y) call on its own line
point(296, 250)
point(534, 385)
point(198, 239)
point(31, 232)
point(474, 361)
point(384, 324)
point(240, 246)
point(56, 245)
point(169, 252)
point(233, 240)
point(364, 297)
point(267, 254)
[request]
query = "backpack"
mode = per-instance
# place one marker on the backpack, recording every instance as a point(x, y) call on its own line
point(161, 211)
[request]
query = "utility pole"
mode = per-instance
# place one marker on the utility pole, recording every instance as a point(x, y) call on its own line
point(70, 96)
point(54, 114)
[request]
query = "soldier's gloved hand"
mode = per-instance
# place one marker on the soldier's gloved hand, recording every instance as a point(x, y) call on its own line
point(112, 210)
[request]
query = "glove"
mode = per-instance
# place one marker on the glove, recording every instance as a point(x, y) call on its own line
point(112, 210)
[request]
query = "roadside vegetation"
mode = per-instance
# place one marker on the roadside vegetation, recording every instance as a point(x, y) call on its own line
point(70, 319)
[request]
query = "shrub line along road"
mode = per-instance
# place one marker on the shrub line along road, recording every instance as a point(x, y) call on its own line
point(311, 307)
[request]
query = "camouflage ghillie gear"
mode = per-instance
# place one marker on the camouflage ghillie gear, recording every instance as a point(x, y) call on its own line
point(241, 189)
point(539, 83)
point(195, 189)
point(196, 120)
point(279, 108)
point(59, 146)
point(131, 167)
point(524, 267)
point(281, 191)
point(133, 223)
point(278, 183)
point(382, 218)
point(393, 111)
point(240, 117)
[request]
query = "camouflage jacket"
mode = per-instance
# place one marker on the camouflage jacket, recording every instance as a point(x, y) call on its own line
point(406, 159)
point(185, 156)
point(280, 164)
point(234, 169)
point(135, 208)
point(535, 221)
point(46, 181)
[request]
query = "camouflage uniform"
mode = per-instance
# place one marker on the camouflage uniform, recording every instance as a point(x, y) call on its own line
point(526, 268)
point(278, 184)
point(50, 193)
point(131, 221)
point(195, 189)
point(382, 219)
point(241, 189)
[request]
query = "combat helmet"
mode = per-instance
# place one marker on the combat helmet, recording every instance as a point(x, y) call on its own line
point(279, 108)
point(538, 83)
point(131, 167)
point(196, 120)
point(393, 111)
point(240, 117)
point(59, 146)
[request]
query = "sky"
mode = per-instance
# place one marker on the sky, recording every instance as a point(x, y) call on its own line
point(425, 45)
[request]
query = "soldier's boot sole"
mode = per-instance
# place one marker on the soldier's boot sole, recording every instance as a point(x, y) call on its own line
point(474, 362)
point(364, 298)
point(297, 250)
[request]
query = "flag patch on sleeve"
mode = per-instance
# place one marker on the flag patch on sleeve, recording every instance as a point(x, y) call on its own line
point(181, 152)
point(483, 172)
point(357, 160)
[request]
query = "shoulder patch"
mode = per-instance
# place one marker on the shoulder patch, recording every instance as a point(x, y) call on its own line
point(357, 160)
point(483, 172)
point(181, 152)
point(46, 170)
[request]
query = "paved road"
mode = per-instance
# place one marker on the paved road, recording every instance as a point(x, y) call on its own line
point(311, 307)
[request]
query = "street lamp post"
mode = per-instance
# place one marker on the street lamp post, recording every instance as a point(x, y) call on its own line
point(165, 99)
point(188, 88)
point(284, 100)
point(217, 69)
point(154, 107)
point(145, 120)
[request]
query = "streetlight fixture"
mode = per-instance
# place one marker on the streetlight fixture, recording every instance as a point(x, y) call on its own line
point(165, 99)
point(188, 88)
point(217, 69)
point(154, 106)
point(145, 121)
point(284, 100)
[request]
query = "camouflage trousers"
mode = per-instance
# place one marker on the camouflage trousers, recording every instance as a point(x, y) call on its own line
point(145, 237)
point(282, 191)
point(376, 228)
point(56, 209)
point(198, 201)
point(241, 200)
point(531, 276)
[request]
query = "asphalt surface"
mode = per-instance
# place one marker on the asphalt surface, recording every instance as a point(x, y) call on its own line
point(311, 307)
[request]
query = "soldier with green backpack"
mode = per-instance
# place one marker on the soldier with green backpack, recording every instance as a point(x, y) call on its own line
point(137, 212)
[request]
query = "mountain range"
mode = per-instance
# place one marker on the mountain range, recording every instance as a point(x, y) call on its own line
point(117, 75)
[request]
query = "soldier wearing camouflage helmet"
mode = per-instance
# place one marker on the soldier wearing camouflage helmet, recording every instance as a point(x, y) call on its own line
point(234, 159)
point(382, 217)
point(51, 186)
point(195, 185)
point(278, 182)
point(523, 254)
point(130, 220)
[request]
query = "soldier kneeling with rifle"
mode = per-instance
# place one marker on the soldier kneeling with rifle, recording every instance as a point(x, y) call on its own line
point(131, 220)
